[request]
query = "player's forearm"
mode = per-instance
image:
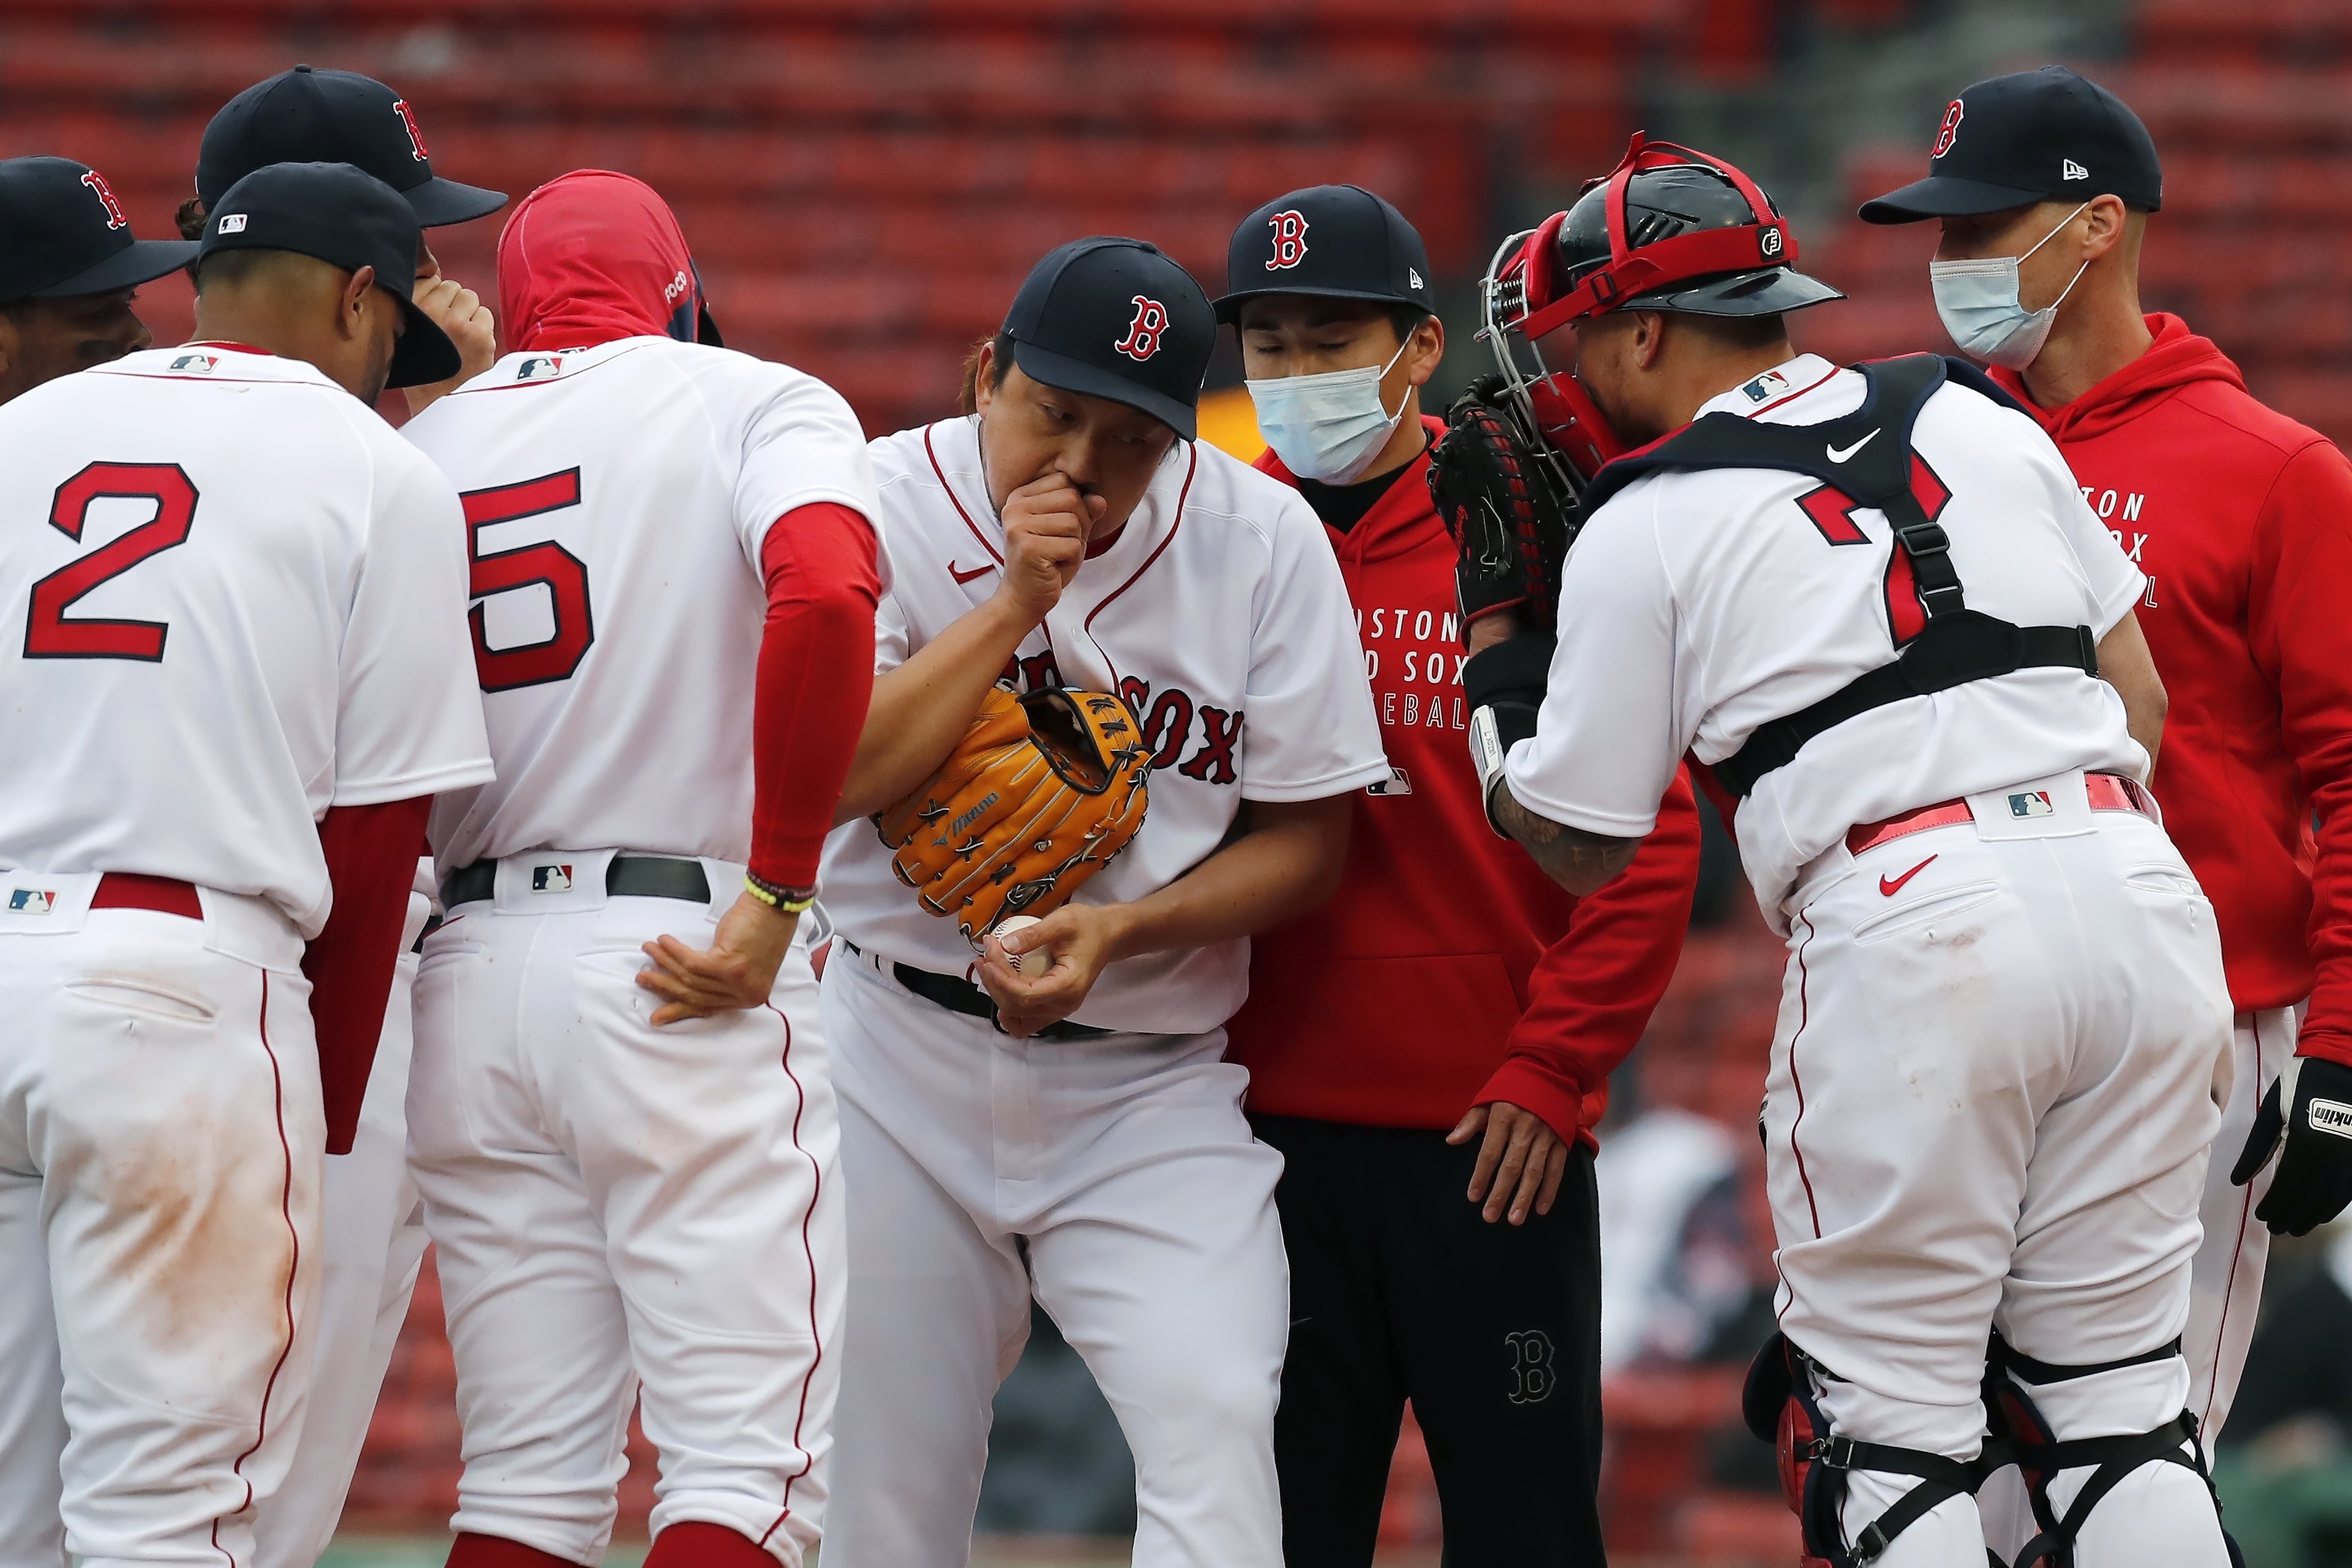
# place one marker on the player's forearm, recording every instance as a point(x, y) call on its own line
point(1287, 860)
point(922, 709)
point(2126, 664)
point(1579, 861)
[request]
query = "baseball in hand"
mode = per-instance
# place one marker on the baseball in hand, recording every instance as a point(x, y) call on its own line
point(1044, 957)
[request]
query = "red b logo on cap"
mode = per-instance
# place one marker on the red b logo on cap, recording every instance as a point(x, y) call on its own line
point(408, 120)
point(1142, 339)
point(1290, 240)
point(1951, 128)
point(115, 218)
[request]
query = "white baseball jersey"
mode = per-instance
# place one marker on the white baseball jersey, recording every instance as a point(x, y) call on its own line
point(1698, 605)
point(617, 500)
point(234, 598)
point(1218, 612)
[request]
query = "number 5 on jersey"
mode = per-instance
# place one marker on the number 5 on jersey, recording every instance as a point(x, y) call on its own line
point(548, 563)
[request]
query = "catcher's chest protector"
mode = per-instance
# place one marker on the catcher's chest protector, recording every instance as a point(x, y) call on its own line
point(1875, 467)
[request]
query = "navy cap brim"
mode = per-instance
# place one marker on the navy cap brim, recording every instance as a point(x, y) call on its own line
point(141, 261)
point(1093, 381)
point(1229, 308)
point(425, 353)
point(1772, 293)
point(438, 202)
point(1941, 196)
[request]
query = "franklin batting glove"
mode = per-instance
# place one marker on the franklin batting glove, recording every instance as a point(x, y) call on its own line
point(2307, 1121)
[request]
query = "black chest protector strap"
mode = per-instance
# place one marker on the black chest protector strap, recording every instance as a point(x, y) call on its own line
point(1866, 456)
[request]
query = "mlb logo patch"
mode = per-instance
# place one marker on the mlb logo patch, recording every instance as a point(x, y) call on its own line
point(194, 364)
point(550, 878)
point(1397, 783)
point(2036, 803)
point(539, 367)
point(31, 900)
point(1766, 387)
point(232, 223)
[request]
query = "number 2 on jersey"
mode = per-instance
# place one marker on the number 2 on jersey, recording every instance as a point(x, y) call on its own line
point(48, 634)
point(502, 571)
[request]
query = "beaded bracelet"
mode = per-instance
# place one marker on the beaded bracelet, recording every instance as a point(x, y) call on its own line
point(776, 895)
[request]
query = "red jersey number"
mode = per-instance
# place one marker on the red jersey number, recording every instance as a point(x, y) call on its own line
point(1832, 512)
point(48, 633)
point(547, 563)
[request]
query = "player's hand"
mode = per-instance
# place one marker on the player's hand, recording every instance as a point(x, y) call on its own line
point(2307, 1121)
point(458, 311)
point(1082, 938)
point(1519, 1165)
point(736, 971)
point(1047, 523)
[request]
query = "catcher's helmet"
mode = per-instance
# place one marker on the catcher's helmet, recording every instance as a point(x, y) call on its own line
point(1669, 229)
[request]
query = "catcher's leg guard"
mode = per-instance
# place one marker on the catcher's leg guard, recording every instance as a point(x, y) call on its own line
point(1782, 1407)
point(2033, 1404)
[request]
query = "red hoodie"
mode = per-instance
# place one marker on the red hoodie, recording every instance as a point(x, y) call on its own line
point(2243, 521)
point(592, 256)
point(1447, 971)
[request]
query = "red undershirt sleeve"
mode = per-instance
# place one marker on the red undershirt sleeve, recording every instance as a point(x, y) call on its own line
point(1591, 993)
point(815, 680)
point(370, 853)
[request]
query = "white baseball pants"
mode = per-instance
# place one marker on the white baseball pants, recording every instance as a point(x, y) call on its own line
point(614, 1206)
point(371, 1249)
point(2225, 1291)
point(1113, 1178)
point(1999, 1064)
point(161, 1132)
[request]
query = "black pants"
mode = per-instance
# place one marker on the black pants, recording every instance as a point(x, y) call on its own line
point(1400, 1290)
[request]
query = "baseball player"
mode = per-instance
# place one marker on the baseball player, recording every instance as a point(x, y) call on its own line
point(69, 272)
point(1445, 1025)
point(1069, 1131)
point(620, 1115)
point(2043, 183)
point(373, 1242)
point(1873, 604)
point(305, 113)
point(235, 673)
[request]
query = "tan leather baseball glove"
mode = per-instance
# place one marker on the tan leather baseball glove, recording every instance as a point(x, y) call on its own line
point(1039, 794)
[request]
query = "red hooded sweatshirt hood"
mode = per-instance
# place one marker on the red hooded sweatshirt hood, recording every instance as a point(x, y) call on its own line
point(2177, 358)
point(592, 256)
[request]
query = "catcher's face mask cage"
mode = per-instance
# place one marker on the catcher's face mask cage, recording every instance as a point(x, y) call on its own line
point(1529, 292)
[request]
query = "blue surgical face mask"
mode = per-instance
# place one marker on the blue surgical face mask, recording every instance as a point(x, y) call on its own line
point(1979, 304)
point(1327, 428)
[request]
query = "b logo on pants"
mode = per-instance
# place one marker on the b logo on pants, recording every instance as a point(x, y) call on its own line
point(1532, 1378)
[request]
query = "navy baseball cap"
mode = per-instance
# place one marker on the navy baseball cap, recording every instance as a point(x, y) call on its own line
point(67, 235)
point(1115, 319)
point(2041, 135)
point(346, 218)
point(1341, 241)
point(304, 115)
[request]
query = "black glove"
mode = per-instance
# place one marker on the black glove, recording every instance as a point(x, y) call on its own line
point(1511, 528)
point(2314, 1181)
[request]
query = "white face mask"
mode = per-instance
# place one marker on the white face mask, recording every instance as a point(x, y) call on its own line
point(1979, 302)
point(1327, 428)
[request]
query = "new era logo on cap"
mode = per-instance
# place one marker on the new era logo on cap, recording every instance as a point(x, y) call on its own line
point(2070, 170)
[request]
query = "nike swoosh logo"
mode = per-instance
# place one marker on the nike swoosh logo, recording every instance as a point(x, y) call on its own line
point(1837, 457)
point(1890, 886)
point(968, 576)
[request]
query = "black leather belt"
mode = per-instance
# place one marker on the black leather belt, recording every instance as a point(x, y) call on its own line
point(962, 996)
point(626, 876)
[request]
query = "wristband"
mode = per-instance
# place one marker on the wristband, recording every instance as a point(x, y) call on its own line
point(1505, 685)
point(777, 897)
